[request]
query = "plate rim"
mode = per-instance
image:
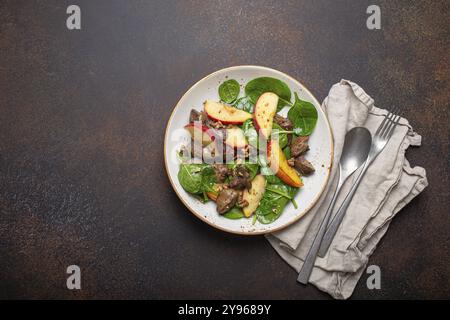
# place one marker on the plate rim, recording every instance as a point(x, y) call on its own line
point(249, 233)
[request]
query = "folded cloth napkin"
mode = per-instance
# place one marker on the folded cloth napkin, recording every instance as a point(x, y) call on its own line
point(388, 185)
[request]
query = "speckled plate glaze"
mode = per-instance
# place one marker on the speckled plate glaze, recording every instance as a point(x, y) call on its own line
point(320, 154)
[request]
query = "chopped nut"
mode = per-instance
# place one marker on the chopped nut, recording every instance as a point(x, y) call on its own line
point(291, 162)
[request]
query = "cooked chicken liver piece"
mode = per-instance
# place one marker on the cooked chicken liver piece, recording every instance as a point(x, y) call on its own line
point(241, 178)
point(299, 146)
point(226, 200)
point(303, 166)
point(283, 122)
point(221, 172)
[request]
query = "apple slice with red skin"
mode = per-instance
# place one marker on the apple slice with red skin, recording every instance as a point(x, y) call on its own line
point(265, 110)
point(197, 131)
point(225, 114)
point(235, 138)
point(280, 166)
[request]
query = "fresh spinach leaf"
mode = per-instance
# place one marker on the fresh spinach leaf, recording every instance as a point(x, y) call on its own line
point(273, 203)
point(258, 86)
point(280, 189)
point(282, 135)
point(234, 214)
point(229, 91)
point(283, 190)
point(245, 104)
point(270, 207)
point(197, 178)
point(275, 199)
point(303, 116)
point(200, 197)
point(209, 179)
point(271, 178)
point(287, 152)
point(190, 177)
point(252, 168)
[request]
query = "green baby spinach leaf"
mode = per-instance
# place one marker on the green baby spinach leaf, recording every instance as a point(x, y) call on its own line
point(270, 207)
point(234, 214)
point(258, 86)
point(229, 91)
point(200, 197)
point(303, 116)
point(275, 199)
point(252, 168)
point(280, 189)
point(197, 178)
point(245, 104)
point(282, 135)
point(209, 179)
point(190, 177)
point(283, 190)
point(271, 178)
point(287, 152)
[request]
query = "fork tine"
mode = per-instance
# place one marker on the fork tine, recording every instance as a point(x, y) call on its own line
point(394, 121)
point(390, 128)
point(396, 110)
point(386, 129)
point(391, 131)
point(382, 123)
point(386, 125)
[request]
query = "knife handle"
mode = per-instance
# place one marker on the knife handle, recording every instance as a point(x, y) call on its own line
point(339, 216)
point(305, 272)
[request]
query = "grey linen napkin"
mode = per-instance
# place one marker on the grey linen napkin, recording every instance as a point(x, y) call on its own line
point(389, 184)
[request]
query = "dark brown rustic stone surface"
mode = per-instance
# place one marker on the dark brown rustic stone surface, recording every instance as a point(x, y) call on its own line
point(83, 113)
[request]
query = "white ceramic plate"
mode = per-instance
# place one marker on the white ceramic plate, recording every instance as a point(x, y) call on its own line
point(320, 154)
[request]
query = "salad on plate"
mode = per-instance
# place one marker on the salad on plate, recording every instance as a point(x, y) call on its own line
point(244, 154)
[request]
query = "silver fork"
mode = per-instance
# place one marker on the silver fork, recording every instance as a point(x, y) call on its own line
point(379, 141)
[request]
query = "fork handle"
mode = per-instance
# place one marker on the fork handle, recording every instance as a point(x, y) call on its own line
point(339, 216)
